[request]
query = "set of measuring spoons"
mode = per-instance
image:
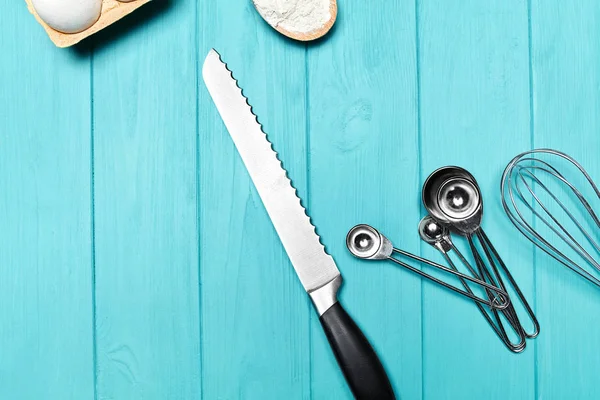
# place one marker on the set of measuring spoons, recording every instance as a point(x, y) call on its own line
point(453, 200)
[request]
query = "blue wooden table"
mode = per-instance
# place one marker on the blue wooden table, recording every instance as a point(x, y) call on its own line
point(137, 261)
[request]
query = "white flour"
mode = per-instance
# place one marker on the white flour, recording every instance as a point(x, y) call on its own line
point(298, 16)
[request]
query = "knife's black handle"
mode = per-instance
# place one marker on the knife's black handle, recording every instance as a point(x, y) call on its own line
point(357, 359)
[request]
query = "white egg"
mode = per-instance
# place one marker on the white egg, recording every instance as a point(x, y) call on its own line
point(68, 16)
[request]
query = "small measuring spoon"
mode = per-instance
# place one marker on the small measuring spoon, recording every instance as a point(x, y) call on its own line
point(368, 243)
point(302, 20)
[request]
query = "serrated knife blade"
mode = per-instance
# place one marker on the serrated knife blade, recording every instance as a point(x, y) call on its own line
point(316, 269)
point(314, 266)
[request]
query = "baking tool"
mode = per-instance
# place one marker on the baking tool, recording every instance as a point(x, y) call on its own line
point(545, 191)
point(112, 11)
point(438, 236)
point(368, 243)
point(302, 20)
point(453, 198)
point(316, 269)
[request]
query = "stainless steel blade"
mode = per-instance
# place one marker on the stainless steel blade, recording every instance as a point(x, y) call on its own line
point(314, 266)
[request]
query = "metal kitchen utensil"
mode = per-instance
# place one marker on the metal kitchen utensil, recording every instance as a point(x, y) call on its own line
point(438, 236)
point(368, 243)
point(315, 268)
point(545, 191)
point(453, 198)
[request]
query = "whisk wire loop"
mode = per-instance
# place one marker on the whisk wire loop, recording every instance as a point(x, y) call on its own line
point(579, 225)
point(524, 181)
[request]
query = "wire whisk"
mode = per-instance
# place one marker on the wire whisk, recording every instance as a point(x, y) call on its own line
point(545, 190)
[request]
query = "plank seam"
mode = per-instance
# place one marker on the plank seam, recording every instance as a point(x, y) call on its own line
point(420, 176)
point(198, 205)
point(307, 138)
point(93, 228)
point(532, 143)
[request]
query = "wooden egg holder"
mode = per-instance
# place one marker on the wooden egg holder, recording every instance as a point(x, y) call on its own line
point(112, 11)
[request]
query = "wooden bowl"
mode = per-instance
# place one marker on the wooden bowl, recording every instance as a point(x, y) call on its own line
point(316, 34)
point(112, 11)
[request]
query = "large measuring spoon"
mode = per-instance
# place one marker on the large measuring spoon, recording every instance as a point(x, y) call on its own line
point(302, 20)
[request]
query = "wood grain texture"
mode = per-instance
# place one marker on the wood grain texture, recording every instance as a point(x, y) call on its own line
point(566, 76)
point(137, 260)
point(146, 227)
point(475, 113)
point(46, 313)
point(255, 312)
point(364, 169)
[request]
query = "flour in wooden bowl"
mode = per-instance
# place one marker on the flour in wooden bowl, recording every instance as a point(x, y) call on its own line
point(296, 16)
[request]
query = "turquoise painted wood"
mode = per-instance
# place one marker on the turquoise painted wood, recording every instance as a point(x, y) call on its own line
point(565, 95)
point(363, 133)
point(243, 344)
point(46, 272)
point(474, 110)
point(146, 237)
point(137, 261)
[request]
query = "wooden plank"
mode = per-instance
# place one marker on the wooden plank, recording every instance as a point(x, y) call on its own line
point(145, 210)
point(364, 169)
point(565, 69)
point(255, 313)
point(475, 114)
point(46, 318)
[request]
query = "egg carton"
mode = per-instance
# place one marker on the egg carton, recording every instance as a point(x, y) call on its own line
point(112, 11)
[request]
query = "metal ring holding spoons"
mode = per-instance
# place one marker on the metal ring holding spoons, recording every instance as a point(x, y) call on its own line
point(368, 243)
point(453, 198)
